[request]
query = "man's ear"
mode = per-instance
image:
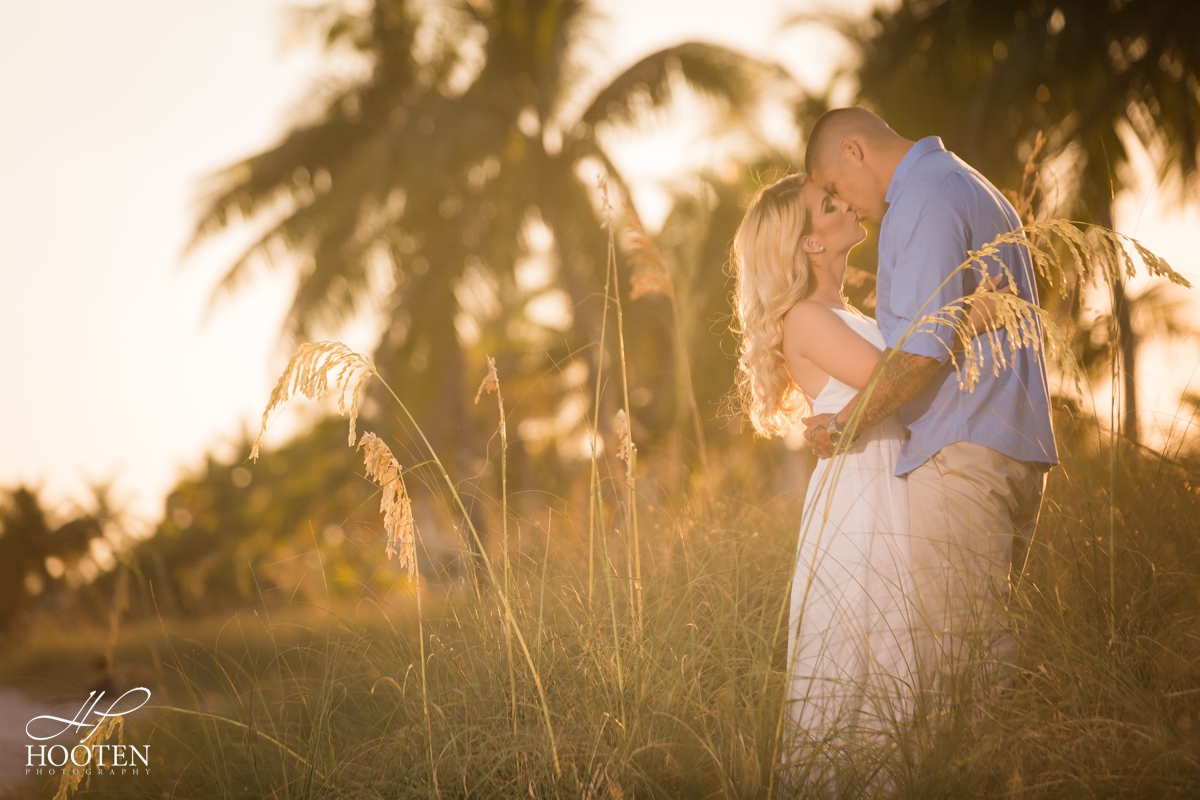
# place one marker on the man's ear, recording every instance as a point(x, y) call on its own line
point(851, 150)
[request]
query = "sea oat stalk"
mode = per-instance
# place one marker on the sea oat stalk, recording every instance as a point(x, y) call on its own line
point(491, 383)
point(487, 563)
point(596, 505)
point(595, 499)
point(627, 452)
point(634, 556)
point(308, 373)
point(383, 468)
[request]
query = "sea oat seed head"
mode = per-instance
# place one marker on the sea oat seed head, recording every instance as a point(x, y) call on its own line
point(314, 370)
point(102, 733)
point(624, 440)
point(383, 468)
point(491, 381)
point(605, 205)
point(1066, 255)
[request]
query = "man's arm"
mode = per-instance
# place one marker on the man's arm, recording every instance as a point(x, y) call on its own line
point(902, 376)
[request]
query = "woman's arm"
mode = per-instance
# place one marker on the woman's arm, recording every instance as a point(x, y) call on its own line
point(817, 333)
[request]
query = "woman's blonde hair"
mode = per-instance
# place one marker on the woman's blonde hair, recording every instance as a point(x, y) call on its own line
point(773, 274)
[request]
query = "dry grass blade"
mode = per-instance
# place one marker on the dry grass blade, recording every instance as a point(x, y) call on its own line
point(489, 384)
point(384, 469)
point(315, 370)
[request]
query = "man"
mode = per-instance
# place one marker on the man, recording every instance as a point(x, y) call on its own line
point(975, 461)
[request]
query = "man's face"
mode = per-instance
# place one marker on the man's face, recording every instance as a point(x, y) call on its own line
point(851, 182)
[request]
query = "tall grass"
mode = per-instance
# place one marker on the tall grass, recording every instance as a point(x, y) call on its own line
point(674, 687)
point(338, 711)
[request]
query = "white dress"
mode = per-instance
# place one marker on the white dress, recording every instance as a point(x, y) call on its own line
point(849, 641)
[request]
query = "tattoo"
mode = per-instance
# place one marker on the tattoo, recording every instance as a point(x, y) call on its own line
point(902, 376)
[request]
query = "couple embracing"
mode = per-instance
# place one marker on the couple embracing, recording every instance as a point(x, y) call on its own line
point(904, 556)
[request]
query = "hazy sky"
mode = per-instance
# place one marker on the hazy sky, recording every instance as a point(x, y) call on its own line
point(114, 110)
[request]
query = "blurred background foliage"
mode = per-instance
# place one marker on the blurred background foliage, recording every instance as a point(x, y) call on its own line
point(451, 183)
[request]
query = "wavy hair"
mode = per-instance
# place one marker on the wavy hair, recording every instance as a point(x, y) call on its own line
point(772, 274)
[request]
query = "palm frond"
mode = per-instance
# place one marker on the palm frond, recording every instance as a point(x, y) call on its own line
point(712, 71)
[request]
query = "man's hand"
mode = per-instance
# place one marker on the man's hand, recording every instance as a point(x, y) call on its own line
point(818, 435)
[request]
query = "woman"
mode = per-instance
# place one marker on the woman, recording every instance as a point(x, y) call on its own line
point(805, 350)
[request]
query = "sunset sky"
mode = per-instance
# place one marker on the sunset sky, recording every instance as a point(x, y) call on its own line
point(109, 369)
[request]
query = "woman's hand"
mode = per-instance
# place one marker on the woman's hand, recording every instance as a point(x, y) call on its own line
point(981, 315)
point(981, 305)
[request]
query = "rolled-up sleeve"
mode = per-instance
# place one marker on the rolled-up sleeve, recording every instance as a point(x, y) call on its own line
point(930, 242)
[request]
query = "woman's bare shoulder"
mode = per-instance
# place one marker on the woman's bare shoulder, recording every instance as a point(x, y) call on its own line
point(811, 316)
point(808, 325)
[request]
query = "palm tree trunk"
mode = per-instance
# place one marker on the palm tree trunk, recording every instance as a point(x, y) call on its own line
point(1125, 343)
point(429, 371)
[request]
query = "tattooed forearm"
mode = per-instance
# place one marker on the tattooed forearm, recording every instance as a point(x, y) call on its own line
point(899, 379)
point(902, 375)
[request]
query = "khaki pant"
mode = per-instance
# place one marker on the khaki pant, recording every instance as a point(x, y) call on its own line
point(965, 506)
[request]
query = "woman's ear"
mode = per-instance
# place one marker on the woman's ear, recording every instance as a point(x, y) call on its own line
point(810, 244)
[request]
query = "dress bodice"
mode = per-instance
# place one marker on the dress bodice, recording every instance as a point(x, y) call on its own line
point(836, 395)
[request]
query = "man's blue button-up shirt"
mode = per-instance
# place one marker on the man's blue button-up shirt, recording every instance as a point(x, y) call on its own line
point(938, 209)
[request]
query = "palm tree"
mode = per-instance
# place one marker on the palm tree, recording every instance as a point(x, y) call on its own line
point(474, 118)
point(988, 76)
point(39, 558)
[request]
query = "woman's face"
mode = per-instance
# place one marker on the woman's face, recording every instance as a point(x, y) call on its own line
point(834, 225)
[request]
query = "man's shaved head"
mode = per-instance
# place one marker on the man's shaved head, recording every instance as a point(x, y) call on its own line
point(834, 126)
point(852, 155)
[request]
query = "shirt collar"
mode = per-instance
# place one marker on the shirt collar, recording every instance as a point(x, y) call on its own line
point(929, 144)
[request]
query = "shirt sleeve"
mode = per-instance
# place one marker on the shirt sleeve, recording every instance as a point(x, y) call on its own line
point(930, 243)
